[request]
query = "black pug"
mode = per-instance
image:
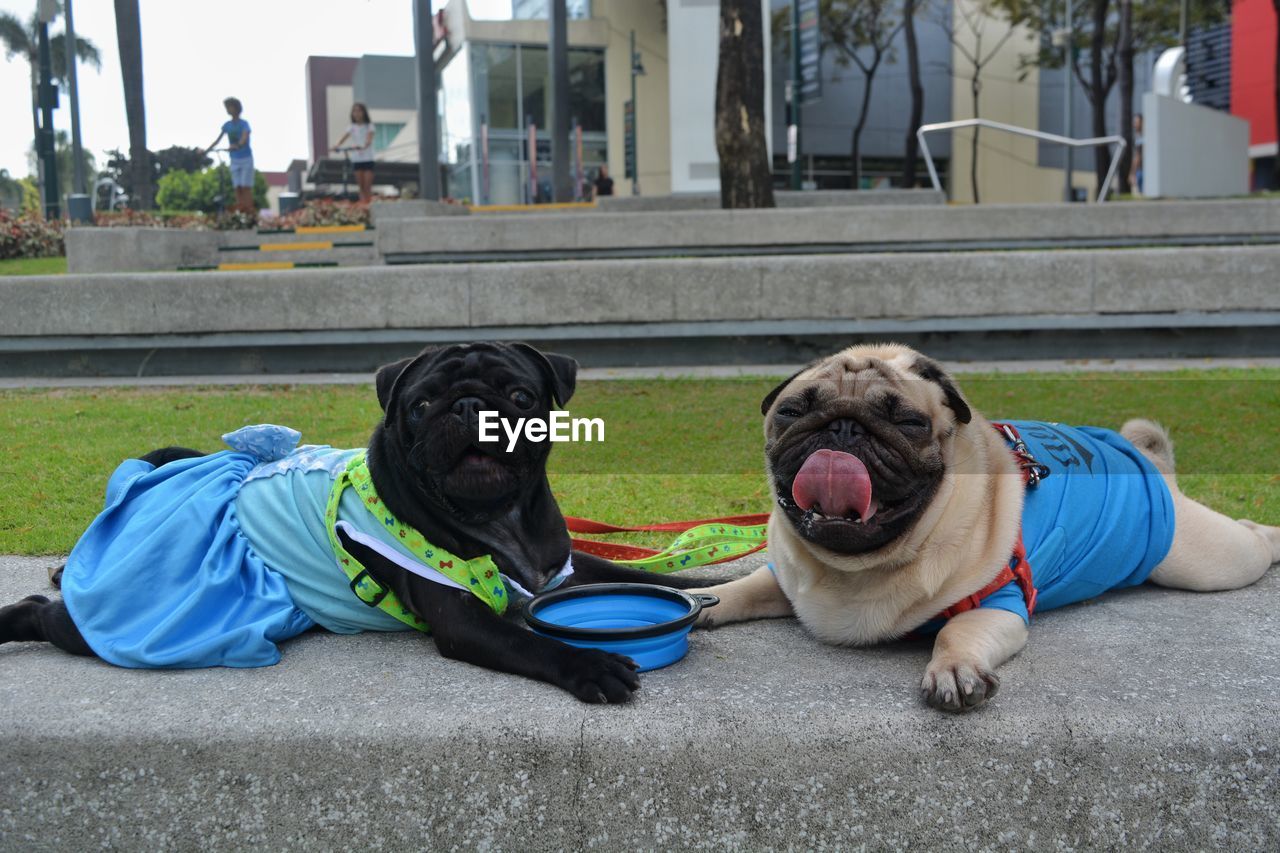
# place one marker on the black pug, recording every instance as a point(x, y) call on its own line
point(427, 468)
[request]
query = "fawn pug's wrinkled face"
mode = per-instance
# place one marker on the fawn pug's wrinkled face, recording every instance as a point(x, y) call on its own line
point(854, 446)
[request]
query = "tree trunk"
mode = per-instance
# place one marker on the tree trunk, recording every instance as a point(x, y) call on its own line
point(1098, 100)
point(975, 87)
point(746, 179)
point(917, 94)
point(1125, 50)
point(855, 150)
point(129, 37)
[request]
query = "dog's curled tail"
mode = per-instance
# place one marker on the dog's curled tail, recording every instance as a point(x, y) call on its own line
point(1152, 440)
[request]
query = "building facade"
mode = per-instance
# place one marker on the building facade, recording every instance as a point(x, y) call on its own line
point(826, 126)
point(494, 99)
point(1254, 41)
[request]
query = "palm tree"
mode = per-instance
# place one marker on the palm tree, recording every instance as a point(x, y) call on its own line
point(129, 38)
point(23, 40)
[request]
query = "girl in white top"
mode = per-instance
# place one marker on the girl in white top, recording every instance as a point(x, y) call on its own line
point(361, 148)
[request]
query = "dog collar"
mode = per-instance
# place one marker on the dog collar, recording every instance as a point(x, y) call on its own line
point(479, 576)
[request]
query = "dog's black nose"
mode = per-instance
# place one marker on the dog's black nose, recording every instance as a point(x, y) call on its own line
point(467, 408)
point(846, 428)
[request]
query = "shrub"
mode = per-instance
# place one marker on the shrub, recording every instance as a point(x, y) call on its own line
point(314, 213)
point(127, 219)
point(178, 190)
point(26, 236)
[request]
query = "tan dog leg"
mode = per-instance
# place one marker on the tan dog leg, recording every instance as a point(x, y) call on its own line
point(1213, 552)
point(757, 596)
point(1210, 551)
point(961, 675)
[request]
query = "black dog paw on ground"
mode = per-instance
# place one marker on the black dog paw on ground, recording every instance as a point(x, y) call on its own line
point(596, 676)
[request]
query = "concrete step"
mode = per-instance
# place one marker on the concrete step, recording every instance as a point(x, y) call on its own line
point(1102, 303)
point(783, 198)
point(345, 253)
point(900, 228)
point(312, 232)
point(344, 245)
point(106, 250)
point(1145, 719)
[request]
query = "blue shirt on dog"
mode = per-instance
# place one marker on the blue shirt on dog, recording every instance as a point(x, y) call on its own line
point(1103, 518)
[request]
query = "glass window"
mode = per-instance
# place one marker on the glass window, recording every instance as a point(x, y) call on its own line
point(383, 133)
point(497, 84)
point(455, 109)
point(586, 88)
point(536, 95)
point(508, 10)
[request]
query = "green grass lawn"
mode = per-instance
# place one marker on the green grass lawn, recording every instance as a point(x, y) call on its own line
point(673, 449)
point(33, 266)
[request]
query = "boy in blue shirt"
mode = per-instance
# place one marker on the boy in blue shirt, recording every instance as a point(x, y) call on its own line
point(237, 132)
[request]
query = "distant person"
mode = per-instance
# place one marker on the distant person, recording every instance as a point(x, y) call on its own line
point(361, 135)
point(1135, 168)
point(237, 132)
point(604, 183)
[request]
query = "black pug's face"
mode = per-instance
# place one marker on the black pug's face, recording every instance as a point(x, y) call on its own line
point(432, 406)
point(854, 448)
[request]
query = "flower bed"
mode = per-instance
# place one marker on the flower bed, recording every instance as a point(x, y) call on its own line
point(314, 213)
point(27, 236)
point(323, 212)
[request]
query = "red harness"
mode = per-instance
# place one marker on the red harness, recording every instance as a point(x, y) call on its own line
point(1017, 569)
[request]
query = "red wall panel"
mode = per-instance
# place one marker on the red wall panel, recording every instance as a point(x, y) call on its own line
point(1253, 58)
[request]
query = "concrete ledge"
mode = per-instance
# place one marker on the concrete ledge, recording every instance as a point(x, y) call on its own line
point(851, 227)
point(95, 251)
point(410, 208)
point(100, 250)
point(783, 198)
point(824, 287)
point(1143, 719)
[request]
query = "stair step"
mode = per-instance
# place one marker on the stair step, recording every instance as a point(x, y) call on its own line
point(236, 266)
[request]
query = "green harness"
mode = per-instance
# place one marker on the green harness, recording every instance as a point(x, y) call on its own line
point(698, 546)
point(479, 575)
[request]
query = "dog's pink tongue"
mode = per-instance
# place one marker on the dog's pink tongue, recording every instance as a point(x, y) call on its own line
point(834, 482)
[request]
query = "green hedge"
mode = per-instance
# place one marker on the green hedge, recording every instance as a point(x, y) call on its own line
point(197, 191)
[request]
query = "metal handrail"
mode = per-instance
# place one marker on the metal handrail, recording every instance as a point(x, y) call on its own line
point(1021, 131)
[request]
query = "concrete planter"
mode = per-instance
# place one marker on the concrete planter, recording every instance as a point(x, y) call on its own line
point(98, 250)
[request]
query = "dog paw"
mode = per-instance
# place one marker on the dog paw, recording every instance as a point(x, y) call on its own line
point(958, 685)
point(707, 616)
point(596, 676)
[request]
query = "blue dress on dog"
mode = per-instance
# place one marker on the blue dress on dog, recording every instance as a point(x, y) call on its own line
point(168, 576)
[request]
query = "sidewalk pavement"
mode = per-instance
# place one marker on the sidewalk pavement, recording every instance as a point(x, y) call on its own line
point(1137, 365)
point(1146, 718)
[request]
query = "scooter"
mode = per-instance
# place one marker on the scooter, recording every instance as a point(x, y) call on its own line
point(346, 167)
point(223, 171)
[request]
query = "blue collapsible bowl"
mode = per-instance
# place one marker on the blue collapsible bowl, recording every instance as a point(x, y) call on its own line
point(649, 624)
